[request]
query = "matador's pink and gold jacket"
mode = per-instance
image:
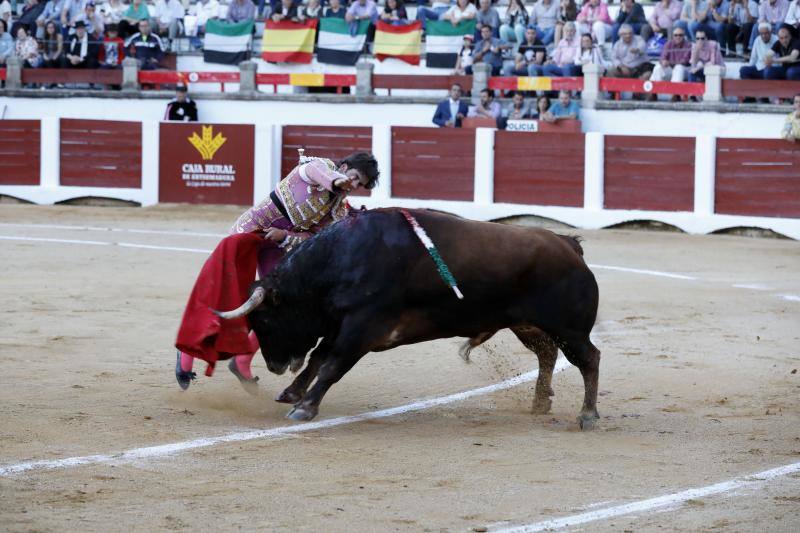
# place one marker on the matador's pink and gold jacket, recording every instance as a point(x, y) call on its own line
point(309, 200)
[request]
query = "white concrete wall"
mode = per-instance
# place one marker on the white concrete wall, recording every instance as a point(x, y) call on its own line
point(609, 122)
point(649, 122)
point(224, 111)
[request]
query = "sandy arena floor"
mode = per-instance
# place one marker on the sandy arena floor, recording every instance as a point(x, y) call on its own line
point(699, 384)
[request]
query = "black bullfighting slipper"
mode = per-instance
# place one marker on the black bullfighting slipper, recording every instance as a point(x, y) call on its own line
point(250, 386)
point(184, 378)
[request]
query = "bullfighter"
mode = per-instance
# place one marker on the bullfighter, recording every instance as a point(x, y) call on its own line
point(311, 197)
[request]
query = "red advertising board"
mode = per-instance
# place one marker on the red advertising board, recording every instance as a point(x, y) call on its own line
point(206, 163)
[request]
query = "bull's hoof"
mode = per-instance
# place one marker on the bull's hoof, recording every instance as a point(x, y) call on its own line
point(541, 406)
point(288, 396)
point(299, 414)
point(588, 421)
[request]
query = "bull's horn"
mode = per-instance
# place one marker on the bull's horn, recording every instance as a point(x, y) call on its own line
point(255, 299)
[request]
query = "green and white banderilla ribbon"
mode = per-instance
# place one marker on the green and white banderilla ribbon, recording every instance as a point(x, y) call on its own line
point(441, 266)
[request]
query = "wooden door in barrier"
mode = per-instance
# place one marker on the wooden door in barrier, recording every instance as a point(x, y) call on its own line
point(101, 153)
point(757, 177)
point(20, 152)
point(433, 163)
point(539, 168)
point(649, 173)
point(332, 142)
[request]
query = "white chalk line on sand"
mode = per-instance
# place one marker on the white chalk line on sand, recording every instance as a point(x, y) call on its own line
point(150, 452)
point(652, 504)
point(665, 502)
point(106, 243)
point(119, 230)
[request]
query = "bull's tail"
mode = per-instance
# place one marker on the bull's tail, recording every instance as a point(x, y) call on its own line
point(574, 242)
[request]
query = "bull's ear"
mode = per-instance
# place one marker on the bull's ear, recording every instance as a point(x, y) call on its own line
point(272, 296)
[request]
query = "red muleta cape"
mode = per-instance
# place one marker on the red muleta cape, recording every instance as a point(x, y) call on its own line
point(223, 284)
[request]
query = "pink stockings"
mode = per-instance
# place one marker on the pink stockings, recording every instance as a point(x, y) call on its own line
point(243, 361)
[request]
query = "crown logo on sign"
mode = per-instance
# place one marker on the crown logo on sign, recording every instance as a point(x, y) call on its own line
point(208, 144)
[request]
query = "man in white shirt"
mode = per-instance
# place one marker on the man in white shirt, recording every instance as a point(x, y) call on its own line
point(199, 14)
point(168, 17)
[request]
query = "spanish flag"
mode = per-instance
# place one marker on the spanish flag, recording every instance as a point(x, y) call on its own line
point(288, 42)
point(401, 42)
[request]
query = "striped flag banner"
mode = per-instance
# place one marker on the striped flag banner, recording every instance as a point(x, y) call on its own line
point(401, 42)
point(288, 42)
point(443, 42)
point(227, 42)
point(337, 45)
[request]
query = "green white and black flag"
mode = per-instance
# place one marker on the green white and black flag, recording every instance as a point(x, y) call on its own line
point(227, 42)
point(443, 41)
point(339, 43)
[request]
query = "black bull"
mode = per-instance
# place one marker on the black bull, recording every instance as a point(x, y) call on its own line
point(368, 284)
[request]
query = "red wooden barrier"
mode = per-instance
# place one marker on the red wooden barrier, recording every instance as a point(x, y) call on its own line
point(404, 81)
point(333, 142)
point(650, 173)
point(541, 83)
point(433, 163)
point(101, 153)
point(652, 87)
point(539, 168)
point(60, 75)
point(20, 152)
point(760, 88)
point(757, 177)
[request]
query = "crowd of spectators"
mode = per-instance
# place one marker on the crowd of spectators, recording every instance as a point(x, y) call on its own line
point(451, 111)
point(541, 38)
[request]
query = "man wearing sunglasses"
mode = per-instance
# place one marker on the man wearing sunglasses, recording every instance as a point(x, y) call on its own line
point(704, 53)
point(312, 196)
point(674, 61)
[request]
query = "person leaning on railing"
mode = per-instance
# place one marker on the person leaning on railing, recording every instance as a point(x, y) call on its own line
point(564, 107)
point(791, 127)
